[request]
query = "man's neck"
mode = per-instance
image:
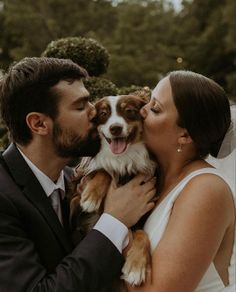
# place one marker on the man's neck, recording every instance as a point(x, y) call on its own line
point(45, 159)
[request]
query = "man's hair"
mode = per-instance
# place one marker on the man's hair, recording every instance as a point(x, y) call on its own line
point(203, 109)
point(27, 87)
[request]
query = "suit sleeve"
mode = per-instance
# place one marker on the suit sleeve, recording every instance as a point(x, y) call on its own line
point(93, 263)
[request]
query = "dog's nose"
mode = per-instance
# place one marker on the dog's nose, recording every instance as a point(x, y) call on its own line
point(115, 129)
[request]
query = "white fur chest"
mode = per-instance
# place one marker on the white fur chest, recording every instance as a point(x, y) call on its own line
point(134, 160)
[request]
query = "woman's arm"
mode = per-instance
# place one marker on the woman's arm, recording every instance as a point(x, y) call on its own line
point(200, 217)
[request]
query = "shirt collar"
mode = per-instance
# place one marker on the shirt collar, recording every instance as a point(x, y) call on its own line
point(47, 184)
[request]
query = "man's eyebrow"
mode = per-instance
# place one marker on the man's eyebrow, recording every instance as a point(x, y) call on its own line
point(81, 99)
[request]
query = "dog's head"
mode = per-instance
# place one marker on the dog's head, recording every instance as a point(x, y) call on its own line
point(119, 121)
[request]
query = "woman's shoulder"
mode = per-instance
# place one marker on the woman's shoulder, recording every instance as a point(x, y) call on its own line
point(209, 181)
point(207, 191)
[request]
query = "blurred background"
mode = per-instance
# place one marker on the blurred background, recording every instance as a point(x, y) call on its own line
point(144, 38)
point(126, 45)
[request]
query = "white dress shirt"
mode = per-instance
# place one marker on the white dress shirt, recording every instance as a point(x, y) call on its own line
point(108, 225)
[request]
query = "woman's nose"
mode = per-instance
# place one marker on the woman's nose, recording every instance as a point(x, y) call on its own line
point(143, 111)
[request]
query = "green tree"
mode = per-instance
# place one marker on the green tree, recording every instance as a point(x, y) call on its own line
point(89, 54)
point(143, 47)
point(229, 20)
point(145, 38)
point(208, 40)
point(30, 25)
point(86, 52)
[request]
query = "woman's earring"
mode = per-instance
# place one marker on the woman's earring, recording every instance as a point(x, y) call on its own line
point(179, 148)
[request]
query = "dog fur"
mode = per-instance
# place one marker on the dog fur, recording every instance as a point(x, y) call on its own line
point(122, 154)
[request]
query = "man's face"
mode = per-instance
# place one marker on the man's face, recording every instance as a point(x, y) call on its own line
point(73, 132)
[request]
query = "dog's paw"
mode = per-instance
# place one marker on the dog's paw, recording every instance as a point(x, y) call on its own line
point(90, 202)
point(134, 273)
point(90, 206)
point(138, 260)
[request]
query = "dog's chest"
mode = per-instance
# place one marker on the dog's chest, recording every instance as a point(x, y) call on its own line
point(135, 160)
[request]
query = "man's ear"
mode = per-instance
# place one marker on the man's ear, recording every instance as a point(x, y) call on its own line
point(185, 138)
point(38, 123)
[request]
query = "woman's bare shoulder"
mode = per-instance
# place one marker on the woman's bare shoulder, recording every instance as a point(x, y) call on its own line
point(198, 222)
point(208, 191)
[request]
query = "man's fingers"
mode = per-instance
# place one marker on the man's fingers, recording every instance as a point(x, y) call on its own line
point(140, 179)
point(151, 195)
point(149, 207)
point(150, 185)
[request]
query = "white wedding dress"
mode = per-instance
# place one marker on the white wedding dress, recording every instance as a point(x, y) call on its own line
point(156, 225)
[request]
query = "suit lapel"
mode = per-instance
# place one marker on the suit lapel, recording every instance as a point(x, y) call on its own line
point(32, 189)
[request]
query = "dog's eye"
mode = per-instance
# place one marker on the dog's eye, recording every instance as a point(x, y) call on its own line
point(131, 113)
point(102, 114)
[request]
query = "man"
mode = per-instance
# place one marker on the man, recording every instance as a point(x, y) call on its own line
point(47, 111)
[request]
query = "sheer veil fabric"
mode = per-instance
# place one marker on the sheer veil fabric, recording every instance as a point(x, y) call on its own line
point(226, 162)
point(227, 167)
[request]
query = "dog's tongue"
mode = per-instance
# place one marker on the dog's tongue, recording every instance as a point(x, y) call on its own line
point(118, 145)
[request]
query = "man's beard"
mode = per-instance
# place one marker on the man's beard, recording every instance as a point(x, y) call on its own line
point(69, 145)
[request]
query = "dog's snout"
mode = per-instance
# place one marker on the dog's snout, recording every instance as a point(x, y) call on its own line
point(115, 129)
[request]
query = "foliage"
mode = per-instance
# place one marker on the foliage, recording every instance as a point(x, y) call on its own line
point(231, 81)
point(136, 90)
point(28, 26)
point(4, 141)
point(208, 40)
point(143, 47)
point(128, 89)
point(145, 39)
point(86, 52)
point(89, 54)
point(99, 87)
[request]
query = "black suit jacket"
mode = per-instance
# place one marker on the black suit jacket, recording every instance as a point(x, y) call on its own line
point(36, 253)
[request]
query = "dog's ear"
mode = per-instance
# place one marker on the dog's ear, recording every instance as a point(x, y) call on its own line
point(95, 120)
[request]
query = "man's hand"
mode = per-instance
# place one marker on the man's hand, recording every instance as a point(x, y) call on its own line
point(131, 201)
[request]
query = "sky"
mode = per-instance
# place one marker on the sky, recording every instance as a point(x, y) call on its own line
point(177, 3)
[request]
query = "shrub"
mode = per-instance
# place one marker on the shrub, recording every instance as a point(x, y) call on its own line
point(86, 52)
point(99, 87)
point(231, 84)
point(4, 137)
point(136, 90)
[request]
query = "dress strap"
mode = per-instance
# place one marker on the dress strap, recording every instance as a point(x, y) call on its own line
point(204, 170)
point(174, 193)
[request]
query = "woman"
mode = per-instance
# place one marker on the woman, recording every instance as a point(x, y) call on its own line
point(192, 228)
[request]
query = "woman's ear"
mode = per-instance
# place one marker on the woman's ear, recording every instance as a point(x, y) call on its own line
point(185, 138)
point(38, 123)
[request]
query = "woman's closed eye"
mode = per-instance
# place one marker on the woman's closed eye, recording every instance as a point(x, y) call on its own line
point(156, 110)
point(154, 106)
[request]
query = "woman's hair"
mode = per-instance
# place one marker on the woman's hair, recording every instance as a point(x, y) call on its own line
point(203, 109)
point(27, 87)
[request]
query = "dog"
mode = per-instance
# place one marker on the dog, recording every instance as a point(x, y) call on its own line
point(122, 155)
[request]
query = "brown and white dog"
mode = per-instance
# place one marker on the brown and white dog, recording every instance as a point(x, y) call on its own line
point(122, 154)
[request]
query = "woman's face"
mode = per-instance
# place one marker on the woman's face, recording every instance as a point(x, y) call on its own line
point(160, 115)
